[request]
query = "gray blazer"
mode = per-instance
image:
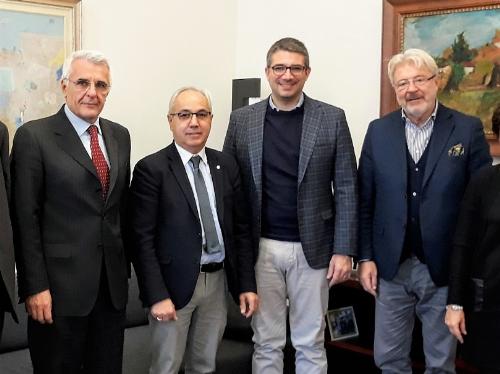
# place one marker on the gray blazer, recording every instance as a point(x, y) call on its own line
point(327, 186)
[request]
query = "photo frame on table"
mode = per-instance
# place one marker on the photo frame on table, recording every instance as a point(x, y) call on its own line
point(464, 38)
point(342, 323)
point(37, 36)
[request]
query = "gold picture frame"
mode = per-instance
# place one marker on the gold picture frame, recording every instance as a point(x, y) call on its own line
point(398, 14)
point(37, 36)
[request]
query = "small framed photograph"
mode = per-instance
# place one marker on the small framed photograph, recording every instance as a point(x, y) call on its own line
point(342, 323)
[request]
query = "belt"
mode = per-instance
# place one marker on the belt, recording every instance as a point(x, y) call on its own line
point(211, 267)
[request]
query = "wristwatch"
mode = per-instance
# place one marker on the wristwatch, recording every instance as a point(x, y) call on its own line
point(454, 307)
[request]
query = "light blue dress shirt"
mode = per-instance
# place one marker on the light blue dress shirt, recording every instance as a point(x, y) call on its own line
point(205, 171)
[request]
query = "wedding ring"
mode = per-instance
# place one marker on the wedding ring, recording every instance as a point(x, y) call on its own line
point(158, 318)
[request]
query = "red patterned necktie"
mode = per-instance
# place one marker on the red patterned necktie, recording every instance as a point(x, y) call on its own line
point(99, 161)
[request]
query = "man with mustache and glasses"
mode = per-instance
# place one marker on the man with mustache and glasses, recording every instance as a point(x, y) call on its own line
point(413, 170)
point(70, 177)
point(299, 173)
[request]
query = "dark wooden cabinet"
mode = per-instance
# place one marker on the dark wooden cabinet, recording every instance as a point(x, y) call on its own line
point(356, 354)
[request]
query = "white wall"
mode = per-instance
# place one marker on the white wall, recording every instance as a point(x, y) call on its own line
point(344, 43)
point(156, 46)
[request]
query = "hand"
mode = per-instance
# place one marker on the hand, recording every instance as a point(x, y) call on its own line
point(39, 306)
point(339, 269)
point(455, 320)
point(249, 302)
point(367, 273)
point(164, 311)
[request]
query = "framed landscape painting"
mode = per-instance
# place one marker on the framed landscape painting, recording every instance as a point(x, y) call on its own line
point(36, 37)
point(463, 36)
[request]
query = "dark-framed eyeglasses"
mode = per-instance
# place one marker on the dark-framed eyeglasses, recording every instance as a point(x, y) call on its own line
point(294, 69)
point(419, 82)
point(185, 115)
point(84, 85)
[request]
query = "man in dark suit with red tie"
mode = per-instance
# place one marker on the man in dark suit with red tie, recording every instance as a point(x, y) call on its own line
point(70, 174)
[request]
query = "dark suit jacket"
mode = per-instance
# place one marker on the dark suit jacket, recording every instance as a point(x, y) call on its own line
point(7, 280)
point(476, 245)
point(327, 221)
point(166, 227)
point(383, 188)
point(63, 230)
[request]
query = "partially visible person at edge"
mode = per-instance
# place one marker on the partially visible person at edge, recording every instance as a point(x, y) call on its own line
point(475, 270)
point(7, 269)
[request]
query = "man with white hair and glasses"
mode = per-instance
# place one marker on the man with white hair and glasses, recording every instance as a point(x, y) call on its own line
point(413, 170)
point(70, 175)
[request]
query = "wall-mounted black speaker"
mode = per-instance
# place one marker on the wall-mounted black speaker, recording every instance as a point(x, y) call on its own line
point(243, 89)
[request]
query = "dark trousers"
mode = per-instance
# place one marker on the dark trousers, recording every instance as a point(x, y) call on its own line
point(92, 344)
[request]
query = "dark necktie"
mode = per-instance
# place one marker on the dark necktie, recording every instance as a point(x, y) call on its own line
point(207, 219)
point(99, 161)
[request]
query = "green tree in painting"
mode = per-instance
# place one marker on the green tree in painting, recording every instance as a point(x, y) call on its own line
point(461, 50)
point(457, 74)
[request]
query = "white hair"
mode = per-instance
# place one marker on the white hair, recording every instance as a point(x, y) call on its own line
point(204, 92)
point(94, 57)
point(416, 57)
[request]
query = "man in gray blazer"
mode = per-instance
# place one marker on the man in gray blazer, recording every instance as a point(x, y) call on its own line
point(299, 173)
point(7, 283)
point(70, 175)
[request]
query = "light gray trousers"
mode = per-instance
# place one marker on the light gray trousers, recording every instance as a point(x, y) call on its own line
point(197, 332)
point(282, 273)
point(412, 292)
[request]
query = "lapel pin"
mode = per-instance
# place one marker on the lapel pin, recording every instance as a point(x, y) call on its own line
point(217, 167)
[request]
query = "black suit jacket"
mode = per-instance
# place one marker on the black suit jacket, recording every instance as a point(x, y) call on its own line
point(63, 230)
point(6, 245)
point(476, 245)
point(166, 228)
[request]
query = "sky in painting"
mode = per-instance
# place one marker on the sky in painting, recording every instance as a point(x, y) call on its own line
point(436, 33)
point(13, 24)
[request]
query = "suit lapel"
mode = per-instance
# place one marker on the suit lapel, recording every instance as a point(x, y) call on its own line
point(218, 182)
point(443, 127)
point(397, 140)
point(255, 139)
point(310, 126)
point(179, 172)
point(112, 151)
point(68, 141)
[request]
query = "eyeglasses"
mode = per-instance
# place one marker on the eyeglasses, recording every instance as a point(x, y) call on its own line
point(84, 85)
point(294, 69)
point(202, 115)
point(419, 82)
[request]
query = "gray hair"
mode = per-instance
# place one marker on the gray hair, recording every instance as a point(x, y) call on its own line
point(94, 57)
point(203, 92)
point(416, 57)
point(289, 45)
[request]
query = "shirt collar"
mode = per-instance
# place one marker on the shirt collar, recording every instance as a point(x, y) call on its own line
point(299, 104)
point(433, 115)
point(186, 155)
point(81, 126)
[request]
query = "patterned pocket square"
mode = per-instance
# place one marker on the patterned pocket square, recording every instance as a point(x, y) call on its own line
point(456, 151)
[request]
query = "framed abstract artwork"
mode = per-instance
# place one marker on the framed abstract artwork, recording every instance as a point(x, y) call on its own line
point(463, 36)
point(36, 37)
